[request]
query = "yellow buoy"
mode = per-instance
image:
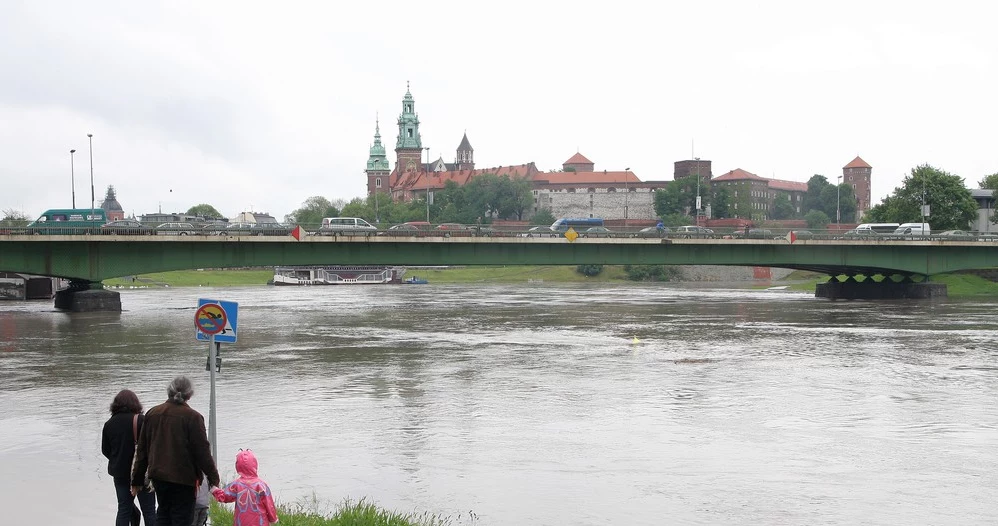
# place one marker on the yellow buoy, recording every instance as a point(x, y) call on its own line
point(635, 340)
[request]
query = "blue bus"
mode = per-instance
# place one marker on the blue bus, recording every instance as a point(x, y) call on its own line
point(563, 224)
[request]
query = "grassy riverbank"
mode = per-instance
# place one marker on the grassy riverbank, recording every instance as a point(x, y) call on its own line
point(244, 277)
point(362, 513)
point(956, 284)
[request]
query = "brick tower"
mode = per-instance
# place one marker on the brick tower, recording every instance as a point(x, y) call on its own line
point(409, 147)
point(465, 159)
point(377, 164)
point(858, 174)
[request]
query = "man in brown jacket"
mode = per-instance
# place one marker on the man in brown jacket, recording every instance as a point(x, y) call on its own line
point(173, 450)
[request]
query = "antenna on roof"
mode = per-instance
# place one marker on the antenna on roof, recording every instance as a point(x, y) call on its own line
point(693, 150)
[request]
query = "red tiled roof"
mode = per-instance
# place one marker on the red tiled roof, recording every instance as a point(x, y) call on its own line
point(737, 175)
point(585, 177)
point(423, 180)
point(578, 158)
point(857, 163)
point(787, 186)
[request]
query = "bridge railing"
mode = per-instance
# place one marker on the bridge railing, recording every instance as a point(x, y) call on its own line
point(453, 230)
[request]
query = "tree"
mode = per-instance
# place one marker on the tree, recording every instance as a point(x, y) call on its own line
point(989, 182)
point(542, 217)
point(950, 203)
point(203, 209)
point(841, 198)
point(589, 270)
point(782, 208)
point(816, 220)
point(14, 218)
point(678, 197)
point(312, 211)
point(720, 206)
point(812, 198)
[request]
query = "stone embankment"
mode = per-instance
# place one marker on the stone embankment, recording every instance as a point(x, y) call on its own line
point(725, 273)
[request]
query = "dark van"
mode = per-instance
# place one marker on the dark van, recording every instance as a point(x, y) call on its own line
point(68, 222)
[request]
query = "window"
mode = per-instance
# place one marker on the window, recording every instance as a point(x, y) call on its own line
point(408, 132)
point(592, 190)
point(377, 182)
point(611, 190)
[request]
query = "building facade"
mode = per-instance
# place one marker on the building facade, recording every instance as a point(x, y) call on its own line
point(752, 197)
point(111, 206)
point(858, 173)
point(693, 168)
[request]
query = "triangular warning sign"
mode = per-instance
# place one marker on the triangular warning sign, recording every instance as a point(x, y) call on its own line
point(296, 233)
point(791, 236)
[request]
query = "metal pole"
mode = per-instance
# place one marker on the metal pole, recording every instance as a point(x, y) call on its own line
point(626, 197)
point(212, 425)
point(698, 189)
point(838, 191)
point(90, 137)
point(72, 175)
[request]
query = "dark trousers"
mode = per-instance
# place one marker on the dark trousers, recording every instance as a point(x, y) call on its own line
point(176, 503)
point(126, 503)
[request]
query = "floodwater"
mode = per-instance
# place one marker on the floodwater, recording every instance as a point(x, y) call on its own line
point(538, 404)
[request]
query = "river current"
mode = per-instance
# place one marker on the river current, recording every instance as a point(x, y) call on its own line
point(540, 404)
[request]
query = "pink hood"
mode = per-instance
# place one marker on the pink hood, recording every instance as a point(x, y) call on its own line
point(246, 464)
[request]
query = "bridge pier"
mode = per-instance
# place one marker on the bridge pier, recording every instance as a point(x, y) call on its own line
point(887, 289)
point(87, 296)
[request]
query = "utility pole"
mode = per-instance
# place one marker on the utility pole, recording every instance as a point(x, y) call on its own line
point(90, 137)
point(697, 159)
point(626, 195)
point(72, 175)
point(838, 191)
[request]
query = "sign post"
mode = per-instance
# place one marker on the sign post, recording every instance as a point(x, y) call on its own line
point(213, 320)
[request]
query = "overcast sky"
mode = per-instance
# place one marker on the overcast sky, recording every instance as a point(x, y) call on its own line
point(258, 106)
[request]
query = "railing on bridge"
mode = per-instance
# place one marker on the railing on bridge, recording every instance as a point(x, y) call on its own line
point(449, 230)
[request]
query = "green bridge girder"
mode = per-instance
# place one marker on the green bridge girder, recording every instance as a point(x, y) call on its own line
point(95, 258)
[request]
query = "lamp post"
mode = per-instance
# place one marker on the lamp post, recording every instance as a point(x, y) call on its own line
point(72, 175)
point(427, 182)
point(90, 138)
point(697, 159)
point(838, 209)
point(626, 195)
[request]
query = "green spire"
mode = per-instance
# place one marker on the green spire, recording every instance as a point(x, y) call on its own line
point(378, 161)
point(408, 123)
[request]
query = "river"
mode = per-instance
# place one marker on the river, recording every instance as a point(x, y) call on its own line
point(540, 404)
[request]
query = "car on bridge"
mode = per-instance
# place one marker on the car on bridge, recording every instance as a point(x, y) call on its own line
point(176, 229)
point(127, 227)
point(539, 231)
point(652, 231)
point(692, 231)
point(596, 231)
point(256, 229)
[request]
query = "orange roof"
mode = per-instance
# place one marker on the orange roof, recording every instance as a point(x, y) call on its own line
point(788, 186)
point(857, 163)
point(585, 177)
point(737, 175)
point(578, 158)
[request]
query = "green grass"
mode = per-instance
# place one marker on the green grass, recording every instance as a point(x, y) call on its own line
point(197, 278)
point(957, 284)
point(516, 274)
point(308, 512)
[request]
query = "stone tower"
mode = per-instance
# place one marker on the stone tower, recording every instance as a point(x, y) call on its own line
point(858, 174)
point(409, 147)
point(465, 159)
point(377, 164)
point(111, 206)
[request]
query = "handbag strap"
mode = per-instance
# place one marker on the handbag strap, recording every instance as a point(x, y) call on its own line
point(135, 428)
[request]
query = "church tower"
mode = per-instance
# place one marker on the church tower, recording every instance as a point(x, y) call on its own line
point(409, 148)
point(465, 159)
point(377, 164)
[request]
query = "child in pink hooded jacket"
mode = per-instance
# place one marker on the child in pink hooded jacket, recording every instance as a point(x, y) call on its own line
point(254, 504)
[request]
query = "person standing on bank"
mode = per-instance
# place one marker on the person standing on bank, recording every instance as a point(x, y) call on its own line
point(173, 450)
point(118, 440)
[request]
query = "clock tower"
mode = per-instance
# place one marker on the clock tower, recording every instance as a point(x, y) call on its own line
point(377, 164)
point(409, 147)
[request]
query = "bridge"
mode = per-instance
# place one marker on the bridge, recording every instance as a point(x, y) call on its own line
point(86, 260)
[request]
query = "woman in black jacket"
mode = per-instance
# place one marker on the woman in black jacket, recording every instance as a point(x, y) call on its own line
point(118, 445)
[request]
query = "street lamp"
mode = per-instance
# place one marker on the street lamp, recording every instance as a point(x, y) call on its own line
point(90, 137)
point(838, 191)
point(426, 181)
point(626, 194)
point(698, 189)
point(72, 175)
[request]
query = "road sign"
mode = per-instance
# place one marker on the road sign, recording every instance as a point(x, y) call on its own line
point(210, 319)
point(227, 334)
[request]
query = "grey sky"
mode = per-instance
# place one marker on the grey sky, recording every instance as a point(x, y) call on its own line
point(261, 105)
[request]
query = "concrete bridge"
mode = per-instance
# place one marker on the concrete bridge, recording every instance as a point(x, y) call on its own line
point(87, 260)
